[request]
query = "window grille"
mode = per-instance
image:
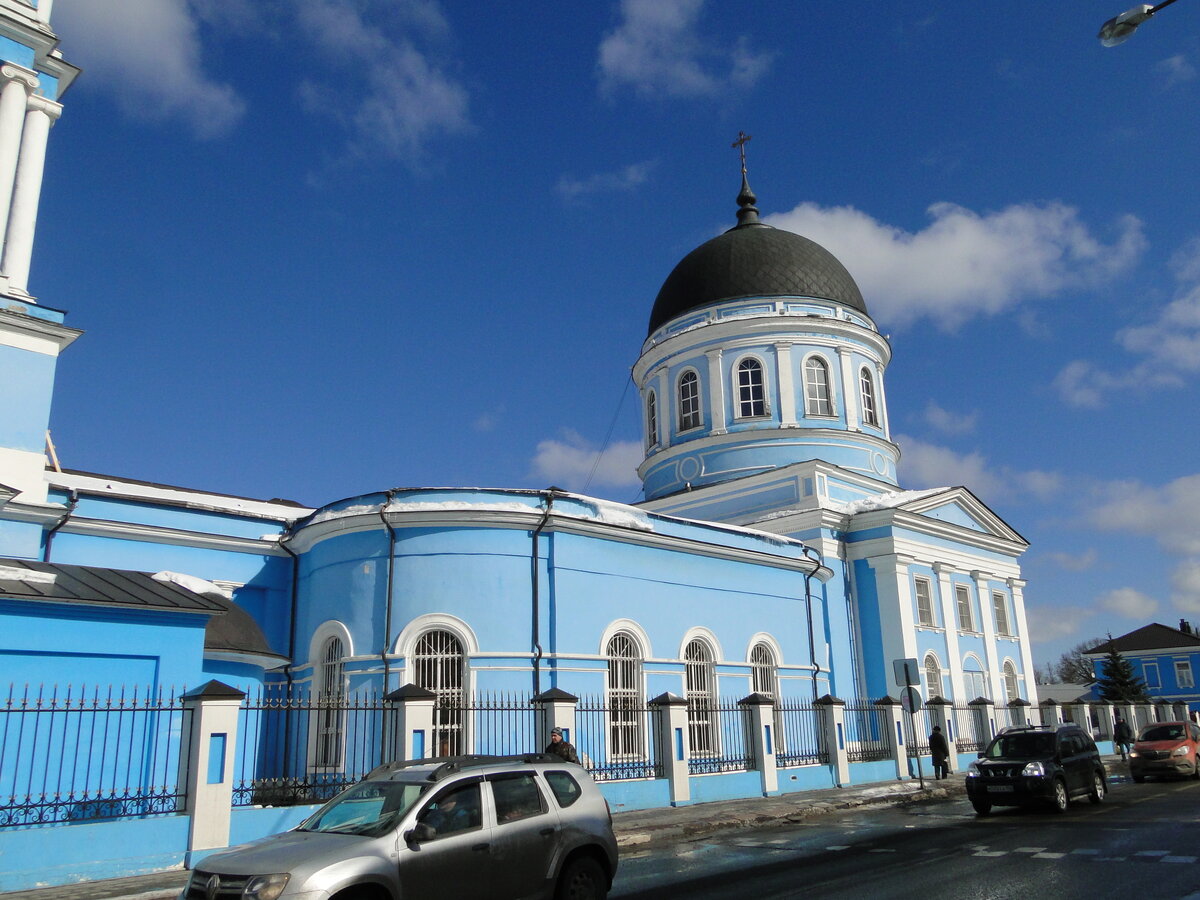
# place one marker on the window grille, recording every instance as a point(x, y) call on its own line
point(817, 399)
point(439, 665)
point(700, 678)
point(689, 401)
point(866, 388)
point(651, 420)
point(1000, 604)
point(962, 594)
point(1011, 689)
point(625, 697)
point(924, 601)
point(752, 398)
point(933, 678)
point(762, 668)
point(332, 680)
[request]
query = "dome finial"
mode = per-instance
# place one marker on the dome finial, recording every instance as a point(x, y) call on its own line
point(747, 211)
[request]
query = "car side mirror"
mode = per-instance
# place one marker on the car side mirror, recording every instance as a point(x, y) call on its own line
point(979, 755)
point(419, 833)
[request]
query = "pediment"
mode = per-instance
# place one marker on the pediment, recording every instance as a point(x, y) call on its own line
point(953, 505)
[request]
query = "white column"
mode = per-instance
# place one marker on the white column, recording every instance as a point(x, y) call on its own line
point(1022, 629)
point(14, 98)
point(881, 403)
point(666, 409)
point(983, 592)
point(716, 393)
point(849, 388)
point(786, 385)
point(43, 11)
point(893, 583)
point(22, 219)
point(950, 620)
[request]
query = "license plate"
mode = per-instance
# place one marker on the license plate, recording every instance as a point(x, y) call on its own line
point(1000, 788)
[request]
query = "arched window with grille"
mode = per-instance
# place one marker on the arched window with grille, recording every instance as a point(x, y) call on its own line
point(751, 389)
point(933, 678)
point(439, 665)
point(331, 701)
point(866, 390)
point(625, 697)
point(689, 401)
point(818, 400)
point(700, 678)
point(651, 420)
point(1012, 689)
point(764, 677)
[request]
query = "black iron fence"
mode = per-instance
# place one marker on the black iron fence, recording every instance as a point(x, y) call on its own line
point(868, 732)
point(802, 741)
point(617, 741)
point(77, 754)
point(717, 732)
point(969, 736)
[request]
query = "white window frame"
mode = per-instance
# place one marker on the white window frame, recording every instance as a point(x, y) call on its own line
point(1000, 611)
point(933, 676)
point(818, 392)
point(691, 413)
point(924, 601)
point(651, 420)
point(1146, 666)
point(962, 604)
point(625, 697)
point(428, 668)
point(747, 404)
point(1012, 686)
point(1183, 673)
point(329, 721)
point(700, 689)
point(867, 396)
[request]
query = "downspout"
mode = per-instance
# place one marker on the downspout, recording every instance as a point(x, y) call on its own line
point(387, 621)
point(72, 502)
point(815, 558)
point(535, 568)
point(287, 671)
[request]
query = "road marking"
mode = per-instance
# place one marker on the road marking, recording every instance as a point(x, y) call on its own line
point(1151, 852)
point(1179, 859)
point(990, 853)
point(883, 850)
point(838, 847)
point(1028, 849)
point(1086, 852)
point(1049, 855)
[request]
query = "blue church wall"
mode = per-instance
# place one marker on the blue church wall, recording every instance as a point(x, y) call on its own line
point(804, 778)
point(873, 772)
point(726, 786)
point(20, 540)
point(250, 824)
point(627, 796)
point(28, 380)
point(955, 514)
point(11, 51)
point(876, 671)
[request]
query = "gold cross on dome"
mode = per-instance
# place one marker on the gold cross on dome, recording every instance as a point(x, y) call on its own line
point(740, 143)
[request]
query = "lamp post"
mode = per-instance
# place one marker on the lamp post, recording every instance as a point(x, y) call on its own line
point(1118, 29)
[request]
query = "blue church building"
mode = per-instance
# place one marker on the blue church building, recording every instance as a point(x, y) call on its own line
point(775, 553)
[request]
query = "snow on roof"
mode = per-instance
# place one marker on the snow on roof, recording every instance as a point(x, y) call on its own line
point(890, 500)
point(192, 583)
point(10, 573)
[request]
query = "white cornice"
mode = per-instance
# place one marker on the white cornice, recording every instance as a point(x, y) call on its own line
point(962, 560)
point(157, 534)
point(31, 332)
point(266, 661)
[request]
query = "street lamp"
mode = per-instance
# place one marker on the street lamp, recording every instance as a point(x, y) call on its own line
point(1118, 29)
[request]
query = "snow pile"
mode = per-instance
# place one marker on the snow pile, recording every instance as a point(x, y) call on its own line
point(890, 500)
point(9, 573)
point(617, 514)
point(460, 506)
point(192, 583)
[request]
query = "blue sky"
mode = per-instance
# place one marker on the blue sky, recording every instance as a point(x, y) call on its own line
point(329, 247)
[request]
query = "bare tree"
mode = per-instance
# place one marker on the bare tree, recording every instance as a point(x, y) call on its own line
point(1075, 668)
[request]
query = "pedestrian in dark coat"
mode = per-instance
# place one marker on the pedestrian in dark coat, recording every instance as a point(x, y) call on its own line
point(939, 749)
point(559, 747)
point(1122, 735)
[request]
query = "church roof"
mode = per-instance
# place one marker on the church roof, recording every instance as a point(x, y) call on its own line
point(23, 579)
point(1149, 637)
point(753, 259)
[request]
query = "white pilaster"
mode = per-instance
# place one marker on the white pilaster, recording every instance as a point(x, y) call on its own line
point(18, 84)
point(995, 676)
point(22, 219)
point(716, 393)
point(786, 385)
point(1022, 628)
point(950, 620)
point(849, 388)
point(666, 409)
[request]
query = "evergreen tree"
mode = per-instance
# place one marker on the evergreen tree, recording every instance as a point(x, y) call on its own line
point(1118, 683)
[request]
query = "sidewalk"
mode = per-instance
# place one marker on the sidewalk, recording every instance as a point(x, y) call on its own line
point(635, 830)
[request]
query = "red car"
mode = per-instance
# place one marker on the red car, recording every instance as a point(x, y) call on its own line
point(1166, 748)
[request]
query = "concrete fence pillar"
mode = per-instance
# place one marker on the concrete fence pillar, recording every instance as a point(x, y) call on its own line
point(760, 709)
point(412, 733)
point(1105, 719)
point(671, 742)
point(206, 766)
point(555, 708)
point(833, 729)
point(983, 712)
point(1018, 711)
point(892, 716)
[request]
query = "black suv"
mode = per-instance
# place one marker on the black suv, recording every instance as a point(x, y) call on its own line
point(1037, 764)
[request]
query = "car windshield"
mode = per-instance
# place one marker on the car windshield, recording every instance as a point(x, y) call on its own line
point(1027, 745)
point(370, 808)
point(1162, 733)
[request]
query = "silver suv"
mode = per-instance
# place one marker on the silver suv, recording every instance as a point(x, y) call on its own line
point(466, 827)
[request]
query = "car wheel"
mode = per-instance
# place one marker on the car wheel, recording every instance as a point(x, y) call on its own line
point(982, 807)
point(1061, 799)
point(1099, 789)
point(1196, 768)
point(582, 879)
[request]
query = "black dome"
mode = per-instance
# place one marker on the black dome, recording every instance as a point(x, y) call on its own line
point(753, 260)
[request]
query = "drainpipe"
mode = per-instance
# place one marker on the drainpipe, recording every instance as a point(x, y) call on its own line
point(814, 557)
point(72, 502)
point(287, 671)
point(536, 574)
point(387, 621)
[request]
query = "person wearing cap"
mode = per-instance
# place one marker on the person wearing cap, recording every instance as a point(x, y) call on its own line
point(560, 748)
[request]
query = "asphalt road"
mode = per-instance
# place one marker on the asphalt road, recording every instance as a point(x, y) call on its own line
point(1141, 843)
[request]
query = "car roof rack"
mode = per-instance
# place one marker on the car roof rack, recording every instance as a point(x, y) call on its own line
point(444, 766)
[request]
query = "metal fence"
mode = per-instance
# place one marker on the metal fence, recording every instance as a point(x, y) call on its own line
point(968, 737)
point(801, 743)
point(916, 732)
point(74, 754)
point(718, 737)
point(617, 740)
point(868, 735)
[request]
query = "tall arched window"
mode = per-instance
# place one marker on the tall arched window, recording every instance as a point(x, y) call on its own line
point(1011, 689)
point(439, 665)
point(933, 677)
point(331, 700)
point(651, 420)
point(752, 397)
point(625, 702)
point(817, 399)
point(701, 684)
point(689, 401)
point(763, 671)
point(866, 389)
point(975, 680)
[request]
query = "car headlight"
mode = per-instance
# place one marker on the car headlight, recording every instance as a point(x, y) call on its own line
point(973, 770)
point(1133, 753)
point(265, 887)
point(1180, 751)
point(1034, 770)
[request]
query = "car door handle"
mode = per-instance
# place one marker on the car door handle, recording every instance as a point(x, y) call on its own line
point(481, 846)
point(546, 832)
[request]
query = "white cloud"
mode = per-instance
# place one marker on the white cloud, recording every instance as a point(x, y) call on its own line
point(947, 422)
point(927, 465)
point(624, 179)
point(571, 462)
point(1175, 70)
point(1128, 602)
point(1185, 586)
point(147, 53)
point(657, 50)
point(1170, 514)
point(1053, 623)
point(1073, 562)
point(965, 263)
